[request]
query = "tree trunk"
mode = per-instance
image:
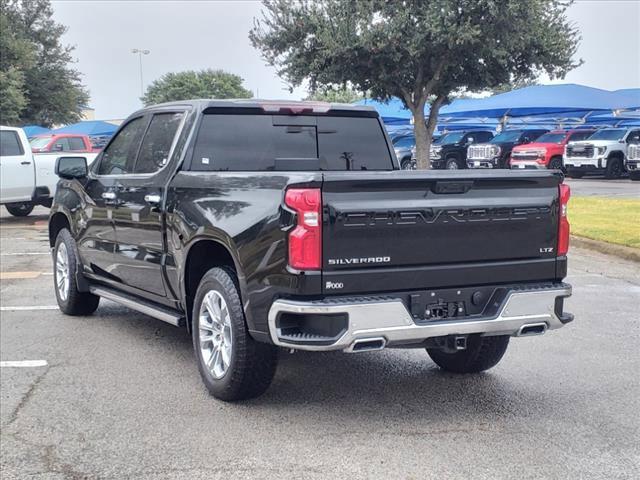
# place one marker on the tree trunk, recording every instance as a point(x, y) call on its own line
point(423, 130)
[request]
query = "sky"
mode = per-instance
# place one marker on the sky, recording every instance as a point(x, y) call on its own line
point(194, 35)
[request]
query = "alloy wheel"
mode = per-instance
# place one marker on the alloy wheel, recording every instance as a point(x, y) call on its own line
point(62, 272)
point(215, 336)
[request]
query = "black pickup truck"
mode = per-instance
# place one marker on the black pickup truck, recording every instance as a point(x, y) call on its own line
point(451, 151)
point(259, 225)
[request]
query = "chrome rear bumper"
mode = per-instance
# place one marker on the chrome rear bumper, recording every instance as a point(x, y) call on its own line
point(387, 318)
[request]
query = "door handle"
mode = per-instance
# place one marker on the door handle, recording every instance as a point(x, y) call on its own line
point(109, 195)
point(153, 198)
point(26, 162)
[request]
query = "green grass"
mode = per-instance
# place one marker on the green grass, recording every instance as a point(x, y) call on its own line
point(606, 219)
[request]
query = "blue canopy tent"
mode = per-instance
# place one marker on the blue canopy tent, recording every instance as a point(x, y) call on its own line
point(543, 99)
point(392, 112)
point(93, 128)
point(33, 130)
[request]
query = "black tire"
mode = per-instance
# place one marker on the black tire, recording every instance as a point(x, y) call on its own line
point(614, 168)
point(252, 364)
point(452, 164)
point(407, 164)
point(76, 302)
point(574, 174)
point(21, 209)
point(555, 163)
point(635, 176)
point(481, 354)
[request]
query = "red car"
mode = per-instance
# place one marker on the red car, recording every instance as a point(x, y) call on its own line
point(547, 150)
point(62, 142)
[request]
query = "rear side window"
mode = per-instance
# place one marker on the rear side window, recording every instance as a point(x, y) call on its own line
point(256, 142)
point(10, 144)
point(118, 157)
point(156, 146)
point(76, 143)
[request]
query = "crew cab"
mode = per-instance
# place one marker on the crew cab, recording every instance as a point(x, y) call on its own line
point(61, 142)
point(632, 162)
point(451, 151)
point(497, 152)
point(603, 152)
point(26, 179)
point(305, 235)
point(547, 150)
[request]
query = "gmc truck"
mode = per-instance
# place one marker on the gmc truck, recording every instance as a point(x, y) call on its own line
point(604, 152)
point(632, 162)
point(497, 152)
point(451, 151)
point(257, 225)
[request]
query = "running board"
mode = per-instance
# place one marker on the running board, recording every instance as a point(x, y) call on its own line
point(164, 314)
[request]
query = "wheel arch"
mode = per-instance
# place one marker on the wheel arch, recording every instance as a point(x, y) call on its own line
point(57, 222)
point(202, 255)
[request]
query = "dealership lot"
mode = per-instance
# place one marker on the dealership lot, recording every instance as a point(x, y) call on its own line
point(120, 395)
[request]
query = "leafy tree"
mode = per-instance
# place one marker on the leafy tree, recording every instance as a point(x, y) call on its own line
point(37, 83)
point(419, 51)
point(333, 94)
point(190, 84)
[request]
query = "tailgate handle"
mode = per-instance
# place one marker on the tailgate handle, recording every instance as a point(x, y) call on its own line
point(452, 187)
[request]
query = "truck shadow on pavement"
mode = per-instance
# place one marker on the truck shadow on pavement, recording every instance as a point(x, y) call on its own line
point(403, 384)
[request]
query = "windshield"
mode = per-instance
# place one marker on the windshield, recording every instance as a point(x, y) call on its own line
point(450, 138)
point(404, 142)
point(505, 137)
point(609, 134)
point(552, 138)
point(39, 142)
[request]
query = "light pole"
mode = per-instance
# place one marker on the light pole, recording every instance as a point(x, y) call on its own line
point(140, 52)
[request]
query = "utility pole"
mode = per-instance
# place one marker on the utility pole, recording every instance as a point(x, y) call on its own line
point(140, 52)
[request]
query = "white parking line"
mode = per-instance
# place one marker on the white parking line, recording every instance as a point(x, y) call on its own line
point(24, 363)
point(33, 307)
point(15, 254)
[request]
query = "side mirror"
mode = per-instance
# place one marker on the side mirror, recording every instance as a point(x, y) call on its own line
point(58, 147)
point(71, 167)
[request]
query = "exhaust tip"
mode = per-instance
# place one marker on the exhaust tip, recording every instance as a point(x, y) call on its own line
point(532, 329)
point(367, 345)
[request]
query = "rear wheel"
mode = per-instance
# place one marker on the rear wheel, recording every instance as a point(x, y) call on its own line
point(233, 366)
point(21, 209)
point(481, 354)
point(555, 163)
point(65, 262)
point(452, 164)
point(614, 168)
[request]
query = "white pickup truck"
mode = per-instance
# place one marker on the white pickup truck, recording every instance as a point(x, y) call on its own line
point(603, 152)
point(27, 179)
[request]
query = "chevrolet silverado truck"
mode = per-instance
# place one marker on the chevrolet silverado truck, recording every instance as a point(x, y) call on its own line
point(257, 225)
point(547, 150)
point(451, 151)
point(604, 152)
point(26, 179)
point(497, 152)
point(632, 162)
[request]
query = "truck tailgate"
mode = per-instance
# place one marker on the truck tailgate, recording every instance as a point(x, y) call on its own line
point(420, 229)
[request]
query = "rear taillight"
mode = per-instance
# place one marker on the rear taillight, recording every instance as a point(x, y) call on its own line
point(563, 221)
point(305, 240)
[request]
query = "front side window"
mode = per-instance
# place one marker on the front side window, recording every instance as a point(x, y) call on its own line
point(76, 144)
point(156, 146)
point(10, 144)
point(39, 142)
point(119, 156)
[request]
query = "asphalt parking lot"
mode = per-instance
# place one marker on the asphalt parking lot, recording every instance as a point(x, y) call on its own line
point(597, 186)
point(120, 395)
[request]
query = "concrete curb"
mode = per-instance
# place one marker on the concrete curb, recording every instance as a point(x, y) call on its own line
point(621, 251)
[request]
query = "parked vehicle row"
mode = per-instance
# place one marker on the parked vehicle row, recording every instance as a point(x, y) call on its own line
point(547, 150)
point(27, 179)
point(305, 235)
point(497, 152)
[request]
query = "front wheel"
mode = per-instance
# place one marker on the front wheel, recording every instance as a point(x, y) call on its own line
point(21, 209)
point(614, 168)
point(452, 164)
point(481, 354)
point(555, 163)
point(233, 366)
point(65, 264)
